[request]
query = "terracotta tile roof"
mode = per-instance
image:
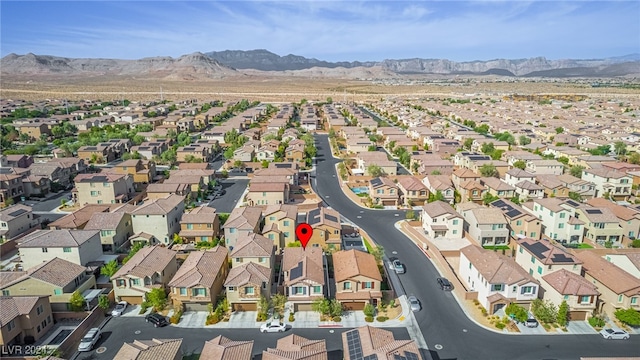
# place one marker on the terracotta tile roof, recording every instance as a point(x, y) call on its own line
point(159, 206)
point(56, 271)
point(295, 347)
point(253, 245)
point(79, 217)
point(153, 349)
point(101, 221)
point(9, 213)
point(382, 181)
point(57, 238)
point(146, 262)
point(437, 208)
point(13, 306)
point(518, 173)
point(222, 348)
point(199, 215)
point(288, 211)
point(567, 283)
point(606, 173)
point(495, 268)
point(548, 253)
point(379, 342)
point(605, 215)
point(552, 204)
point(620, 211)
point(324, 216)
point(98, 177)
point(248, 273)
point(496, 184)
point(200, 268)
point(608, 274)
point(488, 215)
point(167, 188)
point(309, 261)
point(351, 263)
point(244, 218)
point(279, 187)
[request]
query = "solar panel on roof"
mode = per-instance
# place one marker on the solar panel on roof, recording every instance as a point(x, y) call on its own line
point(572, 203)
point(499, 203)
point(313, 217)
point(593, 211)
point(513, 212)
point(18, 212)
point(91, 148)
point(536, 248)
point(331, 218)
point(371, 357)
point(354, 346)
point(562, 258)
point(296, 272)
point(376, 182)
point(411, 355)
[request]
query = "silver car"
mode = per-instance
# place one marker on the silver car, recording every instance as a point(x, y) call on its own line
point(414, 303)
point(617, 334)
point(119, 309)
point(398, 267)
point(89, 340)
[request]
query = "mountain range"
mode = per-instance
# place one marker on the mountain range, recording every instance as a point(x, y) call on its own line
point(230, 63)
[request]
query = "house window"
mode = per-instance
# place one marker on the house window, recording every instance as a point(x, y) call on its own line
point(367, 285)
point(346, 286)
point(619, 298)
point(231, 288)
point(11, 325)
point(527, 290)
point(44, 250)
point(561, 226)
point(455, 232)
point(232, 231)
point(248, 290)
point(519, 222)
point(455, 222)
point(286, 234)
point(203, 292)
point(238, 260)
point(189, 226)
point(539, 269)
point(39, 309)
point(271, 236)
point(562, 215)
point(501, 240)
point(262, 259)
point(94, 193)
point(57, 291)
point(272, 218)
point(264, 285)
point(299, 290)
point(497, 226)
point(6, 293)
point(105, 184)
point(566, 297)
point(121, 282)
point(317, 289)
point(209, 226)
point(533, 235)
point(497, 287)
point(66, 249)
point(533, 259)
point(183, 291)
point(520, 249)
point(585, 299)
point(634, 300)
point(135, 281)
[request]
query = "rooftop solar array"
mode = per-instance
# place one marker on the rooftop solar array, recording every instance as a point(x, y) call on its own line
point(331, 218)
point(572, 203)
point(376, 182)
point(407, 356)
point(90, 148)
point(537, 248)
point(18, 212)
point(561, 258)
point(296, 272)
point(593, 211)
point(313, 216)
point(354, 346)
point(507, 209)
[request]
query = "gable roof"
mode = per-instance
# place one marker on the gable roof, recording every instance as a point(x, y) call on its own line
point(411, 183)
point(101, 221)
point(149, 349)
point(375, 343)
point(13, 306)
point(57, 238)
point(146, 262)
point(295, 347)
point(253, 245)
point(437, 208)
point(567, 283)
point(496, 269)
point(303, 264)
point(608, 274)
point(288, 211)
point(199, 215)
point(159, 206)
point(351, 263)
point(548, 253)
point(56, 271)
point(248, 273)
point(247, 217)
point(79, 217)
point(324, 216)
point(223, 348)
point(200, 268)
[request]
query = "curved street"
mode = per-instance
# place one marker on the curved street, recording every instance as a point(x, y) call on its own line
point(448, 332)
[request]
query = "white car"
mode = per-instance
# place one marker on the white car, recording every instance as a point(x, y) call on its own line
point(273, 326)
point(614, 334)
point(89, 340)
point(119, 309)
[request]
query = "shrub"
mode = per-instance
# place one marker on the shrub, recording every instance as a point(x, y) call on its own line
point(628, 316)
point(291, 317)
point(261, 317)
point(476, 302)
point(596, 321)
point(369, 310)
point(337, 318)
point(382, 318)
point(368, 319)
point(212, 319)
point(500, 325)
point(484, 311)
point(546, 326)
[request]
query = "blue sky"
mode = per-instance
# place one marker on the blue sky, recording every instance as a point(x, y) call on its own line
point(326, 30)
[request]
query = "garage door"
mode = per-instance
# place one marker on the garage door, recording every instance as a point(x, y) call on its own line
point(196, 306)
point(245, 307)
point(577, 315)
point(133, 300)
point(353, 305)
point(302, 307)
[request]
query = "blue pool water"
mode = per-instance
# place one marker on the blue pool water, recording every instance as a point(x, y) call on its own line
point(360, 190)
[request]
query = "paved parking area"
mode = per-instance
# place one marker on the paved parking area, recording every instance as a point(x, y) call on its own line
point(234, 189)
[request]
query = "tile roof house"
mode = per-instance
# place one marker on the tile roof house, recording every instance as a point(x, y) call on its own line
point(439, 219)
point(77, 246)
point(280, 224)
point(223, 348)
point(442, 184)
point(200, 224)
point(497, 279)
point(24, 319)
point(357, 279)
point(618, 289)
point(616, 184)
point(412, 191)
point(303, 276)
point(56, 279)
point(103, 188)
point(241, 222)
point(295, 347)
point(200, 279)
point(253, 248)
point(268, 193)
point(165, 349)
point(486, 226)
point(383, 191)
point(601, 225)
point(245, 285)
point(541, 257)
point(375, 343)
point(160, 217)
point(115, 228)
point(558, 218)
point(326, 226)
point(580, 294)
point(520, 222)
point(16, 220)
point(151, 267)
point(628, 218)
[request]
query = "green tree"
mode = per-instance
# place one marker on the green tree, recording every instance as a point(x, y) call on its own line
point(524, 140)
point(335, 308)
point(482, 129)
point(134, 249)
point(489, 170)
point(576, 170)
point(620, 148)
point(563, 314)
point(634, 158)
point(436, 172)
point(278, 301)
point(103, 302)
point(438, 196)
point(467, 143)
point(369, 310)
point(559, 130)
point(488, 198)
point(321, 305)
point(487, 148)
point(109, 268)
point(517, 312)
point(377, 252)
point(157, 298)
point(520, 164)
point(564, 160)
point(263, 305)
point(76, 301)
point(630, 317)
point(575, 196)
point(374, 170)
point(545, 311)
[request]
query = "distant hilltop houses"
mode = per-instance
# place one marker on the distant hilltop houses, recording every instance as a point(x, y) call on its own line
point(524, 200)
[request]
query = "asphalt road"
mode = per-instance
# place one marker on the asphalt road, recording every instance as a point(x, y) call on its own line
point(126, 329)
point(448, 332)
point(234, 189)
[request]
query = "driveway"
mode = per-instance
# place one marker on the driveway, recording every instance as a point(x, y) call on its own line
point(234, 189)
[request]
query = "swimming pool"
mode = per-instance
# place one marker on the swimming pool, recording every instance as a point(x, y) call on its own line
point(360, 190)
point(60, 337)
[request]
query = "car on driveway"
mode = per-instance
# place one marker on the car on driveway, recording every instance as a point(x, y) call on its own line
point(414, 303)
point(398, 267)
point(273, 326)
point(445, 284)
point(531, 322)
point(156, 319)
point(89, 340)
point(617, 334)
point(119, 309)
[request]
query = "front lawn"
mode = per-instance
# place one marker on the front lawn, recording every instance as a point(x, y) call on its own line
point(496, 247)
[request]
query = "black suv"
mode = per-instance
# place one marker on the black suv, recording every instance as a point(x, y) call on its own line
point(445, 284)
point(156, 319)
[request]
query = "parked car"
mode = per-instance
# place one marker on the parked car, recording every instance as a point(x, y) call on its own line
point(156, 319)
point(398, 267)
point(531, 322)
point(414, 303)
point(89, 340)
point(119, 309)
point(445, 284)
point(617, 334)
point(391, 260)
point(273, 326)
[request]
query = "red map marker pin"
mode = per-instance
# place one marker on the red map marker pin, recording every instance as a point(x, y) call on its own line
point(304, 232)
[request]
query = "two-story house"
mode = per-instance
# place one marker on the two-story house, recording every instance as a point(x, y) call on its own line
point(441, 184)
point(303, 271)
point(223, 348)
point(280, 224)
point(580, 294)
point(628, 218)
point(253, 248)
point(241, 222)
point(413, 191)
point(103, 188)
point(558, 219)
point(609, 183)
point(327, 228)
point(142, 171)
point(601, 225)
point(11, 189)
point(439, 219)
point(268, 193)
point(57, 279)
point(541, 257)
point(16, 220)
point(160, 218)
point(368, 342)
point(115, 228)
point(357, 279)
point(200, 279)
point(25, 319)
point(245, 284)
point(520, 222)
point(151, 267)
point(295, 347)
point(486, 226)
point(199, 224)
point(497, 279)
point(383, 191)
point(77, 246)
